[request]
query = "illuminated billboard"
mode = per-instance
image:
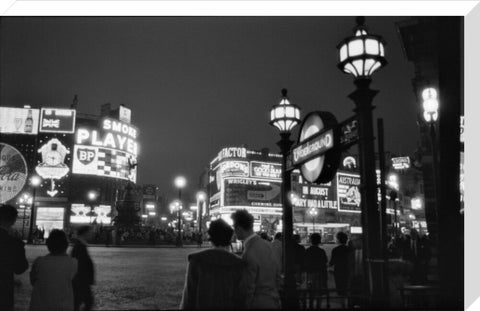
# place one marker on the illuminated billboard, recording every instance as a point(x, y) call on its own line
point(348, 192)
point(53, 120)
point(109, 152)
point(266, 170)
point(13, 172)
point(317, 196)
point(82, 214)
point(252, 192)
point(19, 120)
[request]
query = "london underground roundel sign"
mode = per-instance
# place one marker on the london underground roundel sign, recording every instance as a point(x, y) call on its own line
point(318, 136)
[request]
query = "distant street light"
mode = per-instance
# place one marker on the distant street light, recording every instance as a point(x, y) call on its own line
point(180, 182)
point(201, 201)
point(92, 196)
point(285, 116)
point(313, 212)
point(35, 181)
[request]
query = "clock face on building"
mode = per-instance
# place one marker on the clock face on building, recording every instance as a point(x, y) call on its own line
point(53, 158)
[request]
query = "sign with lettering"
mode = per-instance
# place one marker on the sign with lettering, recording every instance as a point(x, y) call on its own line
point(349, 132)
point(348, 192)
point(317, 153)
point(53, 120)
point(401, 163)
point(13, 172)
point(313, 147)
point(265, 170)
point(19, 120)
point(252, 192)
point(232, 152)
point(110, 151)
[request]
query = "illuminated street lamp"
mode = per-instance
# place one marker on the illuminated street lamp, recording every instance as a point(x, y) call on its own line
point(285, 116)
point(313, 212)
point(180, 183)
point(430, 114)
point(35, 181)
point(201, 201)
point(92, 196)
point(361, 55)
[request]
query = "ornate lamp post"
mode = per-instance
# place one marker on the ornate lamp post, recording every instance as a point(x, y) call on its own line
point(285, 116)
point(176, 207)
point(201, 197)
point(180, 183)
point(430, 114)
point(313, 212)
point(361, 55)
point(35, 181)
point(92, 196)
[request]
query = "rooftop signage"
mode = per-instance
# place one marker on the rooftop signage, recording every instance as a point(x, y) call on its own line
point(53, 120)
point(232, 152)
point(19, 120)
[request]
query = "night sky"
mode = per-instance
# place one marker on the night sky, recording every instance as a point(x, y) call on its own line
point(197, 84)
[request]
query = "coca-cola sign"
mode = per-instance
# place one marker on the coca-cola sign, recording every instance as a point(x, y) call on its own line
point(13, 172)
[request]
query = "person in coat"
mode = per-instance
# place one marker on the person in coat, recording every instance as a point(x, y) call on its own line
point(12, 256)
point(316, 264)
point(262, 275)
point(51, 276)
point(213, 279)
point(85, 276)
point(341, 262)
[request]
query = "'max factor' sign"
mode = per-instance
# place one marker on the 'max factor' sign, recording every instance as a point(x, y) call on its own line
point(318, 149)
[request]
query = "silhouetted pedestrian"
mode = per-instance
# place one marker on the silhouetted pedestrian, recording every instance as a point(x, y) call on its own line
point(85, 276)
point(316, 263)
point(51, 276)
point(12, 256)
point(341, 263)
point(213, 279)
point(261, 278)
point(277, 249)
point(298, 258)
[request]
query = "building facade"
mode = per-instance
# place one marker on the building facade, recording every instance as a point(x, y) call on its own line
point(84, 163)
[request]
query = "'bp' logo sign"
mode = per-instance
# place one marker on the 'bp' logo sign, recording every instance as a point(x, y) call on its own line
point(86, 156)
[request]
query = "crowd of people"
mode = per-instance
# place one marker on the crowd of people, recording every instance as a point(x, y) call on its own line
point(109, 235)
point(60, 281)
point(249, 276)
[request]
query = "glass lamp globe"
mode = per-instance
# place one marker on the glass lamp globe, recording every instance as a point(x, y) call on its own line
point(180, 182)
point(362, 54)
point(430, 104)
point(284, 116)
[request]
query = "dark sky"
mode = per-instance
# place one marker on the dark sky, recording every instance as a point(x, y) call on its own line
point(197, 84)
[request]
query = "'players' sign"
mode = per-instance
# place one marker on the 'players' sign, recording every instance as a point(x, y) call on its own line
point(102, 162)
point(110, 151)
